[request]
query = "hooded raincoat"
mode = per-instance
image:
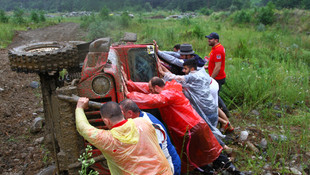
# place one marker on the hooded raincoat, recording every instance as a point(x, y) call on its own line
point(130, 148)
point(196, 88)
point(191, 135)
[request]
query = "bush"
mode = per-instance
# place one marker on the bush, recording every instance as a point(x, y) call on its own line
point(42, 17)
point(260, 27)
point(266, 14)
point(185, 21)
point(241, 50)
point(125, 19)
point(18, 16)
point(104, 13)
point(87, 20)
point(3, 17)
point(206, 11)
point(34, 17)
point(198, 32)
point(98, 29)
point(242, 17)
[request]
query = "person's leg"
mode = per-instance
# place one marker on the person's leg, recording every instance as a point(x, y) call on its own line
point(221, 82)
point(222, 116)
point(221, 103)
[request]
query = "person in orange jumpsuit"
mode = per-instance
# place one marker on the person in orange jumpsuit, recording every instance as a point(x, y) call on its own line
point(130, 146)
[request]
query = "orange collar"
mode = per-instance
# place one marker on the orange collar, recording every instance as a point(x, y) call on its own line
point(214, 47)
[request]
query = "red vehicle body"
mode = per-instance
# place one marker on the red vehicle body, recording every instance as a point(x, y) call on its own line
point(101, 77)
point(100, 80)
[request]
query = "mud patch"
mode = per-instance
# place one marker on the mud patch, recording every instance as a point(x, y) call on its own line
point(21, 104)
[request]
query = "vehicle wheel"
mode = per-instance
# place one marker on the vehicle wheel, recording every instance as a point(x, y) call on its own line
point(43, 57)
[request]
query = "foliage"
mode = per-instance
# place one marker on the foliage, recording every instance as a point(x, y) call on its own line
point(148, 6)
point(86, 162)
point(198, 32)
point(35, 17)
point(206, 11)
point(3, 17)
point(266, 14)
point(242, 17)
point(42, 16)
point(18, 16)
point(104, 13)
point(125, 19)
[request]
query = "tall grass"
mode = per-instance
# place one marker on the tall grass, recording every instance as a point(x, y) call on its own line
point(269, 66)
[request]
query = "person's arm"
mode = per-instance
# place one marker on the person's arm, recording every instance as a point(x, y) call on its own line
point(216, 69)
point(133, 86)
point(149, 101)
point(175, 54)
point(170, 76)
point(90, 133)
point(171, 59)
point(138, 87)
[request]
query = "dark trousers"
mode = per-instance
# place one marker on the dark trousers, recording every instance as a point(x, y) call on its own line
point(221, 102)
point(221, 82)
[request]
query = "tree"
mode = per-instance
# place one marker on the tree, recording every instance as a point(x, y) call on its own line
point(3, 17)
point(18, 16)
point(104, 13)
point(266, 14)
point(34, 17)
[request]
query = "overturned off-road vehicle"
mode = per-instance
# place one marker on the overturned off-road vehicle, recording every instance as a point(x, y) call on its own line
point(93, 71)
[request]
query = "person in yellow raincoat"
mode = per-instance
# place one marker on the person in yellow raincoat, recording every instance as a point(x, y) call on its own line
point(130, 146)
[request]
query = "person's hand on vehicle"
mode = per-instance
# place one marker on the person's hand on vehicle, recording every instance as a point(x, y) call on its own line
point(82, 103)
point(165, 69)
point(156, 46)
point(125, 78)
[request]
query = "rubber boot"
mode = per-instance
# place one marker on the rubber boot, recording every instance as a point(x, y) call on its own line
point(233, 170)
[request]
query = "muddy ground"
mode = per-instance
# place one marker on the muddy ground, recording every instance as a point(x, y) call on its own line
point(21, 151)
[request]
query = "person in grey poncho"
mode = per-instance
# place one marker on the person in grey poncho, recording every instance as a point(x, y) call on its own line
point(196, 88)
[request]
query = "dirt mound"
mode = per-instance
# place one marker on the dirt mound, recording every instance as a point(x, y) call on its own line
point(60, 32)
point(21, 151)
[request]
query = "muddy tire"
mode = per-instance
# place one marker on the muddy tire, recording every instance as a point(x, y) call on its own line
point(43, 57)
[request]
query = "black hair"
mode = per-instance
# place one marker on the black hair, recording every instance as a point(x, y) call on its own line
point(177, 46)
point(128, 104)
point(157, 81)
point(191, 63)
point(111, 110)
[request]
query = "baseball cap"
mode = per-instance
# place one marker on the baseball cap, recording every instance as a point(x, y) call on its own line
point(213, 35)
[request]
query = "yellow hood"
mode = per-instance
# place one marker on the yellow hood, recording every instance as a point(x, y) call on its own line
point(127, 133)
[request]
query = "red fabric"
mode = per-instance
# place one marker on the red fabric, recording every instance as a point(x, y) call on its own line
point(217, 54)
point(180, 117)
point(119, 124)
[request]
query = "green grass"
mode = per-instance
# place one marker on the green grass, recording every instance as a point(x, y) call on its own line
point(267, 70)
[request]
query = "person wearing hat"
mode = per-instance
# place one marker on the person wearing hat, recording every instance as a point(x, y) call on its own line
point(216, 64)
point(178, 58)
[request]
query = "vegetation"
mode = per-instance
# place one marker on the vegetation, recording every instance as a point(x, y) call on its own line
point(267, 66)
point(268, 71)
point(148, 5)
point(86, 161)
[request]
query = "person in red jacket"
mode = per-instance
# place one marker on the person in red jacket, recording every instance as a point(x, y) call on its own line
point(191, 135)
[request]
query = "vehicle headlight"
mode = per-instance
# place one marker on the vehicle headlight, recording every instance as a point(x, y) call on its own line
point(101, 85)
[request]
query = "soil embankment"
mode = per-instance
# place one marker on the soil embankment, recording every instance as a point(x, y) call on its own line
point(21, 151)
